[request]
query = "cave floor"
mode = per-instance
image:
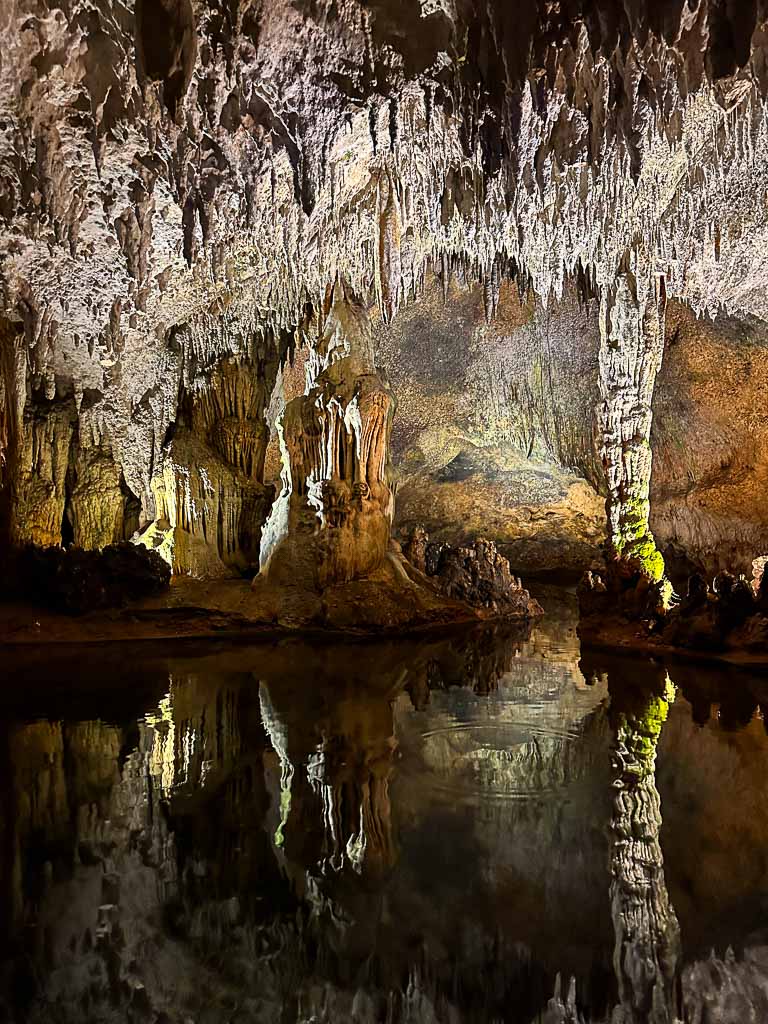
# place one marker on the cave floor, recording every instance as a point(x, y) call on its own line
point(632, 639)
point(196, 608)
point(225, 608)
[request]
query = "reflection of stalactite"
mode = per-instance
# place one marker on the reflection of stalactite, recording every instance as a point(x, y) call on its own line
point(354, 789)
point(647, 946)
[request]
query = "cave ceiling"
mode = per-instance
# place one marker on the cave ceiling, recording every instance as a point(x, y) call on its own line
point(180, 178)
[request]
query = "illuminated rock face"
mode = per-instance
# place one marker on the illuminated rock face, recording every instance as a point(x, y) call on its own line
point(210, 497)
point(331, 523)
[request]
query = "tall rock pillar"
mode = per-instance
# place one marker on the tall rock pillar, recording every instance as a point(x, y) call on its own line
point(631, 350)
point(332, 521)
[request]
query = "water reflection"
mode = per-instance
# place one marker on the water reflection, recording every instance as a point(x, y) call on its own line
point(464, 828)
point(647, 934)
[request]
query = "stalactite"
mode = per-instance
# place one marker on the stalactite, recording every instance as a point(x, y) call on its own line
point(13, 391)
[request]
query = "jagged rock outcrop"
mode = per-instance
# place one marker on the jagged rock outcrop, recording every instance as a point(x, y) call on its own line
point(479, 575)
point(726, 618)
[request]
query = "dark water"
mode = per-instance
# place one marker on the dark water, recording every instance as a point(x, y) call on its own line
point(477, 827)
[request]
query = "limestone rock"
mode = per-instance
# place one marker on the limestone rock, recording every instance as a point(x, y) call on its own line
point(331, 522)
point(478, 575)
point(184, 185)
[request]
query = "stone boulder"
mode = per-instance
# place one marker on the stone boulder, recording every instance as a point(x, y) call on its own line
point(478, 575)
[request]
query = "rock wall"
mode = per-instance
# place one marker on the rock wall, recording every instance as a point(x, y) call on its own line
point(494, 434)
point(709, 436)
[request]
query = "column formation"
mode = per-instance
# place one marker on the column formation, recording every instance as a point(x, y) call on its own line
point(631, 350)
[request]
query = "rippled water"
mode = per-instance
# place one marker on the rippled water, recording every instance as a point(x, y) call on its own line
point(482, 826)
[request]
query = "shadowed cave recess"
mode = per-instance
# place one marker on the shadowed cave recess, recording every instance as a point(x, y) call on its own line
point(330, 323)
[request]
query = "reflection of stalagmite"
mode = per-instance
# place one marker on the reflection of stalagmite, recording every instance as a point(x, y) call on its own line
point(332, 521)
point(647, 947)
point(341, 764)
point(631, 349)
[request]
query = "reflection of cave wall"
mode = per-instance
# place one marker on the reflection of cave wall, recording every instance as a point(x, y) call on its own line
point(710, 782)
point(140, 850)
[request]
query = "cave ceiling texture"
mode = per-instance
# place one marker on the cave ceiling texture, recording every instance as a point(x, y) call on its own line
point(201, 201)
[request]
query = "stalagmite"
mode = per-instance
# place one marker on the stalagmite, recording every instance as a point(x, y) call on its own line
point(331, 522)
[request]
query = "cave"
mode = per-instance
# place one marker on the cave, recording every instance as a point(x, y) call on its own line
point(382, 582)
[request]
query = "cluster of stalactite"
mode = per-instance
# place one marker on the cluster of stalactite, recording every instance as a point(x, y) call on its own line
point(163, 171)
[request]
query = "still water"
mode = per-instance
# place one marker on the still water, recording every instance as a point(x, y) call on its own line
point(480, 827)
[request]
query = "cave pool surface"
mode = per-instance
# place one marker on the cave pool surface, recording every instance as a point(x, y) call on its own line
point(488, 825)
